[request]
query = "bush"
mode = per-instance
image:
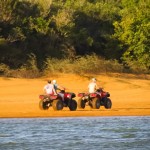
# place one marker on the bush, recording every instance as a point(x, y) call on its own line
point(136, 67)
point(4, 69)
point(81, 65)
point(89, 64)
point(53, 65)
point(23, 73)
point(95, 64)
point(28, 70)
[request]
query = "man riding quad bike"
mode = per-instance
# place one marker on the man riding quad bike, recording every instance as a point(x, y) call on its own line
point(95, 100)
point(57, 102)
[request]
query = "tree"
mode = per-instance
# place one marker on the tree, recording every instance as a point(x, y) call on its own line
point(133, 33)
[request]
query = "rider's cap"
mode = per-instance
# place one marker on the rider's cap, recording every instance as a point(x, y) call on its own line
point(93, 79)
point(54, 81)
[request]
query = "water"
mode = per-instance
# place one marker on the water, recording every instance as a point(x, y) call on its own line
point(83, 133)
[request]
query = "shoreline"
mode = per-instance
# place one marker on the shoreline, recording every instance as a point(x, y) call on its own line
point(77, 113)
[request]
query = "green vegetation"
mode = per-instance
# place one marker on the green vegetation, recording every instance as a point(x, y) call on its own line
point(39, 37)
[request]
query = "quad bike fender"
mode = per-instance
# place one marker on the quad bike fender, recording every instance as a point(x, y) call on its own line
point(105, 94)
point(43, 96)
point(47, 96)
point(69, 95)
point(53, 97)
point(81, 94)
point(93, 94)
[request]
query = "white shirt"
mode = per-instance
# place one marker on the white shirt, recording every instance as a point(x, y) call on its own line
point(49, 88)
point(92, 87)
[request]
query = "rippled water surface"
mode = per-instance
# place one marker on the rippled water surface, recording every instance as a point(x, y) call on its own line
point(84, 133)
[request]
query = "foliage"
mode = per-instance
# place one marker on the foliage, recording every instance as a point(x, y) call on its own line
point(64, 34)
point(4, 69)
point(81, 65)
point(28, 70)
point(53, 65)
point(133, 32)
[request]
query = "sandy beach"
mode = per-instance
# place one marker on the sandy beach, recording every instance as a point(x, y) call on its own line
point(19, 98)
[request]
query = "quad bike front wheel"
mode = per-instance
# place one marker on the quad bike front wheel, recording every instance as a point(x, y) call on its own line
point(81, 103)
point(73, 105)
point(57, 105)
point(95, 103)
point(43, 105)
point(107, 103)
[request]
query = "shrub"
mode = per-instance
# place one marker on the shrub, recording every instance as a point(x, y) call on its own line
point(4, 69)
point(53, 65)
point(81, 65)
point(28, 70)
point(87, 64)
point(136, 67)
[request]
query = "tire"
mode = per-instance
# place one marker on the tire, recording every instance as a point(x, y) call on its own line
point(57, 104)
point(81, 103)
point(108, 103)
point(73, 105)
point(95, 103)
point(43, 105)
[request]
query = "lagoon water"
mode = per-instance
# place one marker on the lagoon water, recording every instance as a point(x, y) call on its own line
point(81, 133)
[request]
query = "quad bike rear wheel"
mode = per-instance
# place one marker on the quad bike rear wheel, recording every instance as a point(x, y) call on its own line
point(43, 105)
point(81, 103)
point(95, 103)
point(57, 105)
point(107, 103)
point(72, 105)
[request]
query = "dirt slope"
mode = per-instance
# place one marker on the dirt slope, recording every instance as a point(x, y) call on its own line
point(130, 96)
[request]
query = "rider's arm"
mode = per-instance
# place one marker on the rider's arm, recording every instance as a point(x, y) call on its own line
point(96, 87)
point(60, 88)
point(44, 89)
point(54, 91)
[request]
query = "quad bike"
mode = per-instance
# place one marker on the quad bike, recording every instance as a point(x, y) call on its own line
point(95, 100)
point(57, 102)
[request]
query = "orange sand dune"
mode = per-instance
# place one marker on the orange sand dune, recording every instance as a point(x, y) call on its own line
point(130, 96)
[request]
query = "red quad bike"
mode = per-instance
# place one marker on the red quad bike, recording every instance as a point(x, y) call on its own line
point(57, 102)
point(95, 100)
